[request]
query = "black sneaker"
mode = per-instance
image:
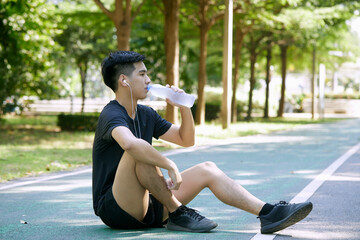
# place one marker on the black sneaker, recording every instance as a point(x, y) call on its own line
point(189, 220)
point(284, 215)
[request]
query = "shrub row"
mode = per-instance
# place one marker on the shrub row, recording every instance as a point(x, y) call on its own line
point(213, 110)
point(78, 122)
point(355, 95)
point(88, 122)
point(342, 95)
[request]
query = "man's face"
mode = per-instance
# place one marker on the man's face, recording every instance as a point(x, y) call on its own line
point(139, 80)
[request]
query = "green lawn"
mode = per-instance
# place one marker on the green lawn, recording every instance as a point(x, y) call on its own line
point(33, 145)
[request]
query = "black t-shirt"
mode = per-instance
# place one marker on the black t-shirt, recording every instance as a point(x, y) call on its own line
point(107, 152)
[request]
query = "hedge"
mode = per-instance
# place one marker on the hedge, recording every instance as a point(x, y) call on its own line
point(88, 122)
point(78, 122)
point(342, 95)
point(213, 110)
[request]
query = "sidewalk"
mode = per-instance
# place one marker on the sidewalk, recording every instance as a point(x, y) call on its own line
point(273, 167)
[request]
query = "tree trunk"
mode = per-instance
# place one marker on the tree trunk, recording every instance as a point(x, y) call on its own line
point(239, 38)
point(123, 30)
point(122, 19)
point(202, 77)
point(204, 24)
point(83, 69)
point(313, 82)
point(267, 79)
point(283, 49)
point(172, 51)
point(252, 81)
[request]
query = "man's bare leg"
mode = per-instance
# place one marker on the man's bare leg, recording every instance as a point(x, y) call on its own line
point(225, 189)
point(207, 174)
point(181, 218)
point(152, 179)
point(132, 179)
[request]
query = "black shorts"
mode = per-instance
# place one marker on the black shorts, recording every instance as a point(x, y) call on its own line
point(115, 217)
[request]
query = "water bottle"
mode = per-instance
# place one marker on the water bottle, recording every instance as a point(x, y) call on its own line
point(180, 98)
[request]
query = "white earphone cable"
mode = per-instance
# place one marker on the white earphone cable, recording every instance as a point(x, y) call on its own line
point(137, 134)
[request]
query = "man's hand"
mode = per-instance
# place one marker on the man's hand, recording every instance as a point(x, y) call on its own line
point(175, 89)
point(175, 178)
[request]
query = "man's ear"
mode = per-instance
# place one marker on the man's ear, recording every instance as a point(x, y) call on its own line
point(123, 80)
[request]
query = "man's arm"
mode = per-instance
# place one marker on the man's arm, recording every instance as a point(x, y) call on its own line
point(143, 152)
point(183, 135)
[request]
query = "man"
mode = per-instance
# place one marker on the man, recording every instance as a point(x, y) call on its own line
point(129, 190)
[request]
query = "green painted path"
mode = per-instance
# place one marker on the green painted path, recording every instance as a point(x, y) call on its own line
point(273, 167)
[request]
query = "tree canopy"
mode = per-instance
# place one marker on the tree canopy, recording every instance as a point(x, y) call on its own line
point(43, 43)
point(28, 50)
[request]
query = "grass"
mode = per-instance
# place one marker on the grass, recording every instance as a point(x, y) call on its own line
point(33, 145)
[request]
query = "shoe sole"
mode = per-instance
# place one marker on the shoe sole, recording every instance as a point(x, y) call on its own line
point(290, 220)
point(182, 229)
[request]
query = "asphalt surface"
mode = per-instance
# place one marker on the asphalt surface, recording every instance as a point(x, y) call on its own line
point(273, 167)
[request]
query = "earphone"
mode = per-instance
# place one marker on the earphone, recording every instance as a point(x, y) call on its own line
point(138, 135)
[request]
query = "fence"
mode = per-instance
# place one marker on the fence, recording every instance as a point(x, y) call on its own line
point(74, 106)
point(336, 106)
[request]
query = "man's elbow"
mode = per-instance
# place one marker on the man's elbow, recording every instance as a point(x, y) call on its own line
point(189, 143)
point(128, 146)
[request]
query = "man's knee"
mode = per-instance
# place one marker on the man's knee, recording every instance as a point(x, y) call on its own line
point(209, 167)
point(208, 172)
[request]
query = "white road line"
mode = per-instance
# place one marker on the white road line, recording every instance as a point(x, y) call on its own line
point(42, 179)
point(311, 188)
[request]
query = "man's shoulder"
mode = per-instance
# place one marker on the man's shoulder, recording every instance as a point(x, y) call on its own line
point(112, 110)
point(111, 106)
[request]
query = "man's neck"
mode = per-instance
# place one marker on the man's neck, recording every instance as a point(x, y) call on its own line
point(128, 106)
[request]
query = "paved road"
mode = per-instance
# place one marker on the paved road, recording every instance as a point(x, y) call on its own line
point(273, 167)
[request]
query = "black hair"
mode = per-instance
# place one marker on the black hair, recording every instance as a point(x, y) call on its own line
point(117, 63)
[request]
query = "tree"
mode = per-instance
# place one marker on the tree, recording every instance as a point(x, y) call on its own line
point(79, 46)
point(122, 17)
point(257, 19)
point(204, 22)
point(283, 50)
point(241, 30)
point(27, 65)
point(269, 46)
point(254, 50)
point(246, 12)
point(85, 39)
point(172, 49)
point(171, 40)
point(311, 22)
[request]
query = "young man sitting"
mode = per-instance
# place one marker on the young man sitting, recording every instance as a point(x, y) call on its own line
point(129, 190)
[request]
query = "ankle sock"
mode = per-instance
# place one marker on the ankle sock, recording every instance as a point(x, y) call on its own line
point(266, 209)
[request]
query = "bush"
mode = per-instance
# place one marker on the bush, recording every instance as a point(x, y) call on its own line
point(78, 122)
point(213, 110)
point(342, 95)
